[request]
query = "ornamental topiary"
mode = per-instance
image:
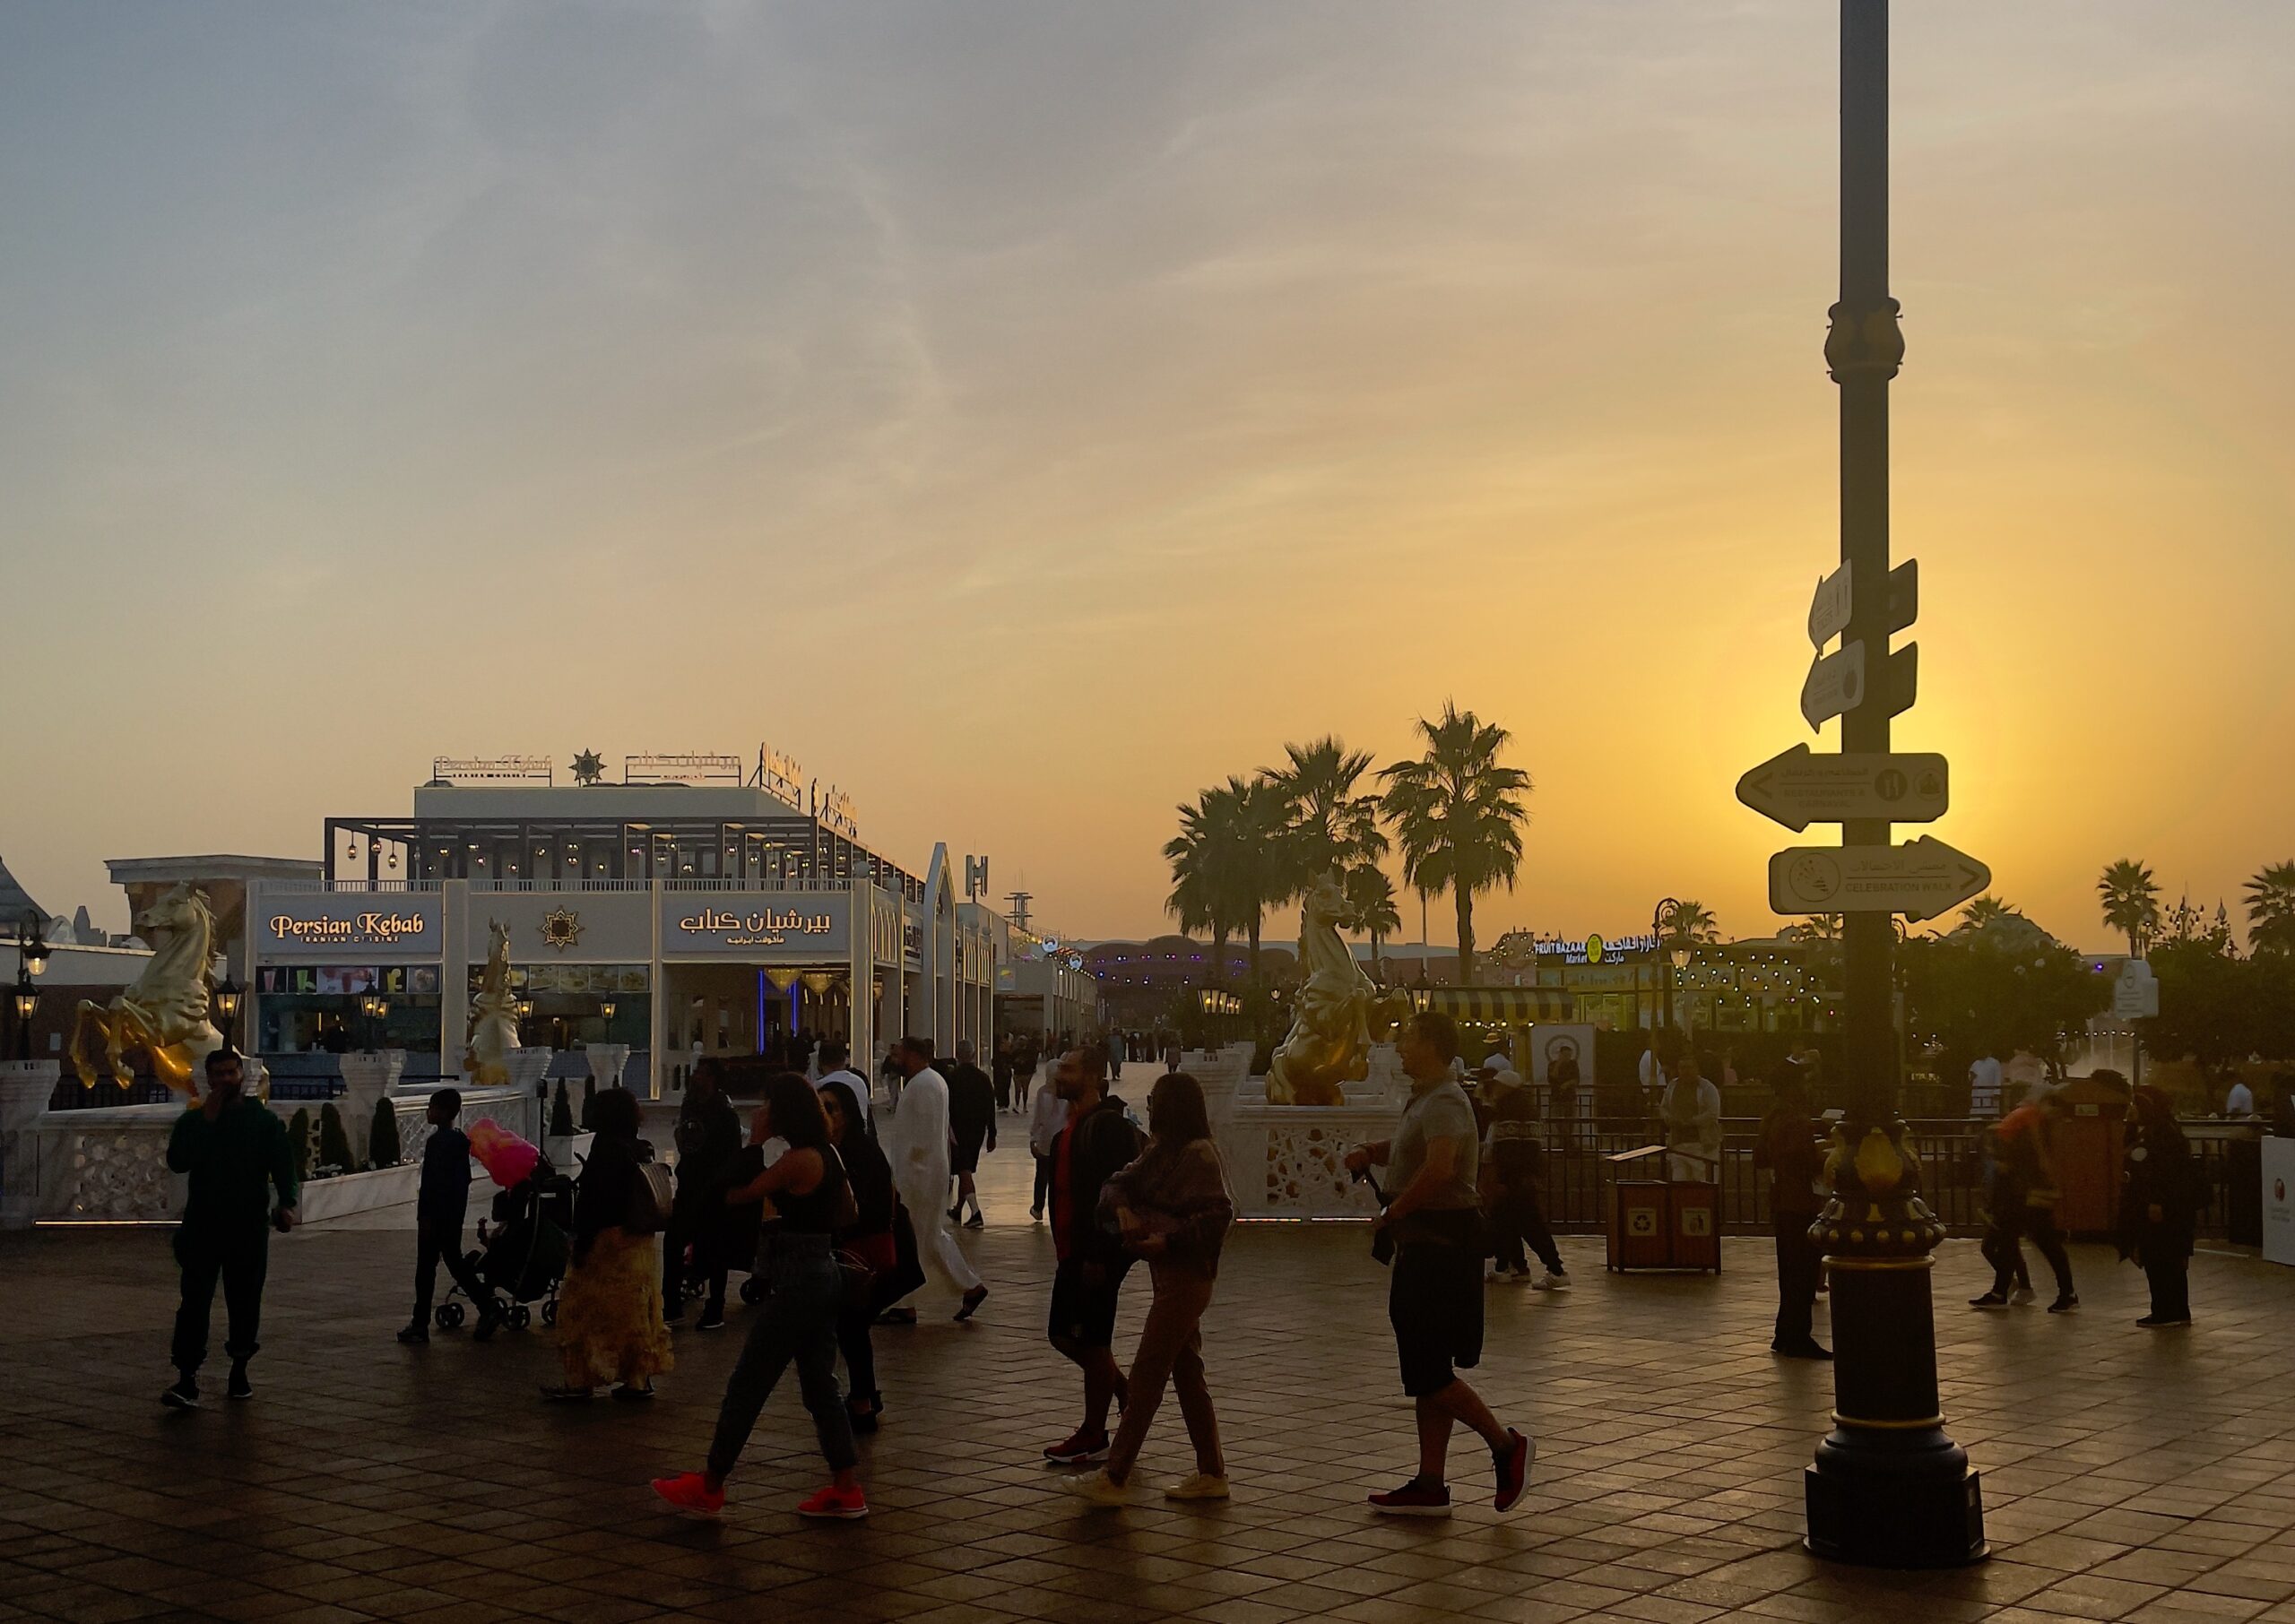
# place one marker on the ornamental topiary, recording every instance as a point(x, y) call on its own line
point(298, 1142)
point(589, 1101)
point(381, 1138)
point(561, 1113)
point(334, 1145)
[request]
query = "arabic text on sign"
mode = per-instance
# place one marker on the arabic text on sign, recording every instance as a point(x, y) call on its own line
point(767, 928)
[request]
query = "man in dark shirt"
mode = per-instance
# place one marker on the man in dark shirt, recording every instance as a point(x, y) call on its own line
point(1787, 1147)
point(708, 1139)
point(234, 1150)
point(1098, 1142)
point(972, 1125)
point(440, 1204)
point(1514, 1161)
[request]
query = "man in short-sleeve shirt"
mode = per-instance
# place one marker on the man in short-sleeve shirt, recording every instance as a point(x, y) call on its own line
point(1434, 1296)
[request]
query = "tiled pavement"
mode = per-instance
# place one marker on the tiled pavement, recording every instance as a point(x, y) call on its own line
point(2128, 1474)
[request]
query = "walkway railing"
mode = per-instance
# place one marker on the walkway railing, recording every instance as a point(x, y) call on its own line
point(1950, 1149)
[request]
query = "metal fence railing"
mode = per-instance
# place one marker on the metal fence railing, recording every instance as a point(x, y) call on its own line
point(1949, 1149)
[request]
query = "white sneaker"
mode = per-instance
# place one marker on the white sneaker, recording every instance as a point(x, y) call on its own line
point(2024, 1294)
point(1198, 1486)
point(1551, 1282)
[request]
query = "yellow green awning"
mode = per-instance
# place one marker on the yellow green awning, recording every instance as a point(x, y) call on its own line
point(1508, 1005)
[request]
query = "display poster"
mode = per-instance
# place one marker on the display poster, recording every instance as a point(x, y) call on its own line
point(2279, 1201)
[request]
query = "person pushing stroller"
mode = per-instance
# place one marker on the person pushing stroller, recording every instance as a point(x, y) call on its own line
point(439, 1205)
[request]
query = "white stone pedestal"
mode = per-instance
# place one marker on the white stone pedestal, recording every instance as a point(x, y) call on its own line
point(25, 1086)
point(528, 1068)
point(606, 1062)
point(367, 1077)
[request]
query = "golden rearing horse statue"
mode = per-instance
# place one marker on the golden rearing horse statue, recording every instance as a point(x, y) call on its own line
point(165, 1012)
point(1341, 1014)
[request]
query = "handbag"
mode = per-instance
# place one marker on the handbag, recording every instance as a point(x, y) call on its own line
point(651, 1195)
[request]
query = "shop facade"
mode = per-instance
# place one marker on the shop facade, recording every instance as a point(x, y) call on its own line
point(677, 921)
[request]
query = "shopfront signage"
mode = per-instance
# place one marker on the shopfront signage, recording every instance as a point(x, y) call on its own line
point(743, 924)
point(1595, 949)
point(357, 924)
point(682, 768)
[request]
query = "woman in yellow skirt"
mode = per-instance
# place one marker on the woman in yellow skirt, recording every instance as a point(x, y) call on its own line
point(609, 1321)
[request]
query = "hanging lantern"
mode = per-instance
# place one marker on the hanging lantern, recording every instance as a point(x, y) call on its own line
point(816, 982)
point(781, 980)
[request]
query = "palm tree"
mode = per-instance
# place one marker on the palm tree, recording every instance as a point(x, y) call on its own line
point(1331, 825)
point(1458, 815)
point(1370, 899)
point(2131, 902)
point(1196, 899)
point(2271, 910)
point(1989, 910)
point(1816, 927)
point(1688, 925)
point(1227, 862)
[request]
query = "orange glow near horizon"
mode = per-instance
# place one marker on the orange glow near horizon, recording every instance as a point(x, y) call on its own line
point(1026, 431)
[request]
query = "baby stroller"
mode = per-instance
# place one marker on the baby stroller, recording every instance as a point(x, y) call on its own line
point(523, 1253)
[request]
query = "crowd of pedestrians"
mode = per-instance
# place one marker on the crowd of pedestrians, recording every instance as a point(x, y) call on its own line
point(836, 1203)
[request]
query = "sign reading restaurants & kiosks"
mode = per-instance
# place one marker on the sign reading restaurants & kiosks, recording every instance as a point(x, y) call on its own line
point(350, 927)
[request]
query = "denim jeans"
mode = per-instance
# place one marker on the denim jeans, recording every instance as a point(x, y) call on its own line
point(796, 1321)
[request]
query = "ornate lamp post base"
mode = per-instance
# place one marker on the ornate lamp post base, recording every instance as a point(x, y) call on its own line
point(1888, 1488)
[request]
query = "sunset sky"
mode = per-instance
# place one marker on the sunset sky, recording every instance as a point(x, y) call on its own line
point(1028, 414)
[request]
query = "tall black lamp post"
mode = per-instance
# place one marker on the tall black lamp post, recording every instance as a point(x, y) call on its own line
point(31, 960)
point(1888, 1487)
point(227, 996)
point(1661, 925)
point(24, 1001)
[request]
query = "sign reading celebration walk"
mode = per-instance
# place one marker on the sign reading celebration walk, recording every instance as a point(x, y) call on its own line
point(1800, 788)
point(1920, 880)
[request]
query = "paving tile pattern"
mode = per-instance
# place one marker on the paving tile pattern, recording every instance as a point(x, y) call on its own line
point(2129, 1475)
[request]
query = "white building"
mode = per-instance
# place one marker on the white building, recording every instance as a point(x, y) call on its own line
point(708, 916)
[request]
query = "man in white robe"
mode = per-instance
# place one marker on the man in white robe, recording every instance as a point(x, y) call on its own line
point(917, 1145)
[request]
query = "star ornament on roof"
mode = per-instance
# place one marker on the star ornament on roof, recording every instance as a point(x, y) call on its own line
point(589, 767)
point(561, 928)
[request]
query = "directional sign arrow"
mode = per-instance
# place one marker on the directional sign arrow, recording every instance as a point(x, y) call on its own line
point(1904, 594)
point(1903, 679)
point(1800, 788)
point(1828, 606)
point(1835, 683)
point(1921, 879)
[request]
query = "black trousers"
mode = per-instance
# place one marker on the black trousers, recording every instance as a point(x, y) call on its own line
point(2166, 1268)
point(690, 1227)
point(437, 1242)
point(239, 1255)
point(1515, 1217)
point(1043, 1185)
point(2003, 1251)
point(1798, 1259)
point(859, 1353)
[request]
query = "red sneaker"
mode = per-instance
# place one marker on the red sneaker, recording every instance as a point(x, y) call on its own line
point(834, 1502)
point(690, 1494)
point(1414, 1500)
point(1513, 1465)
point(1078, 1448)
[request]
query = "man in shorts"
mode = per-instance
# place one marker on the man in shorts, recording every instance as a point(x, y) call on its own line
point(1098, 1142)
point(1434, 1294)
